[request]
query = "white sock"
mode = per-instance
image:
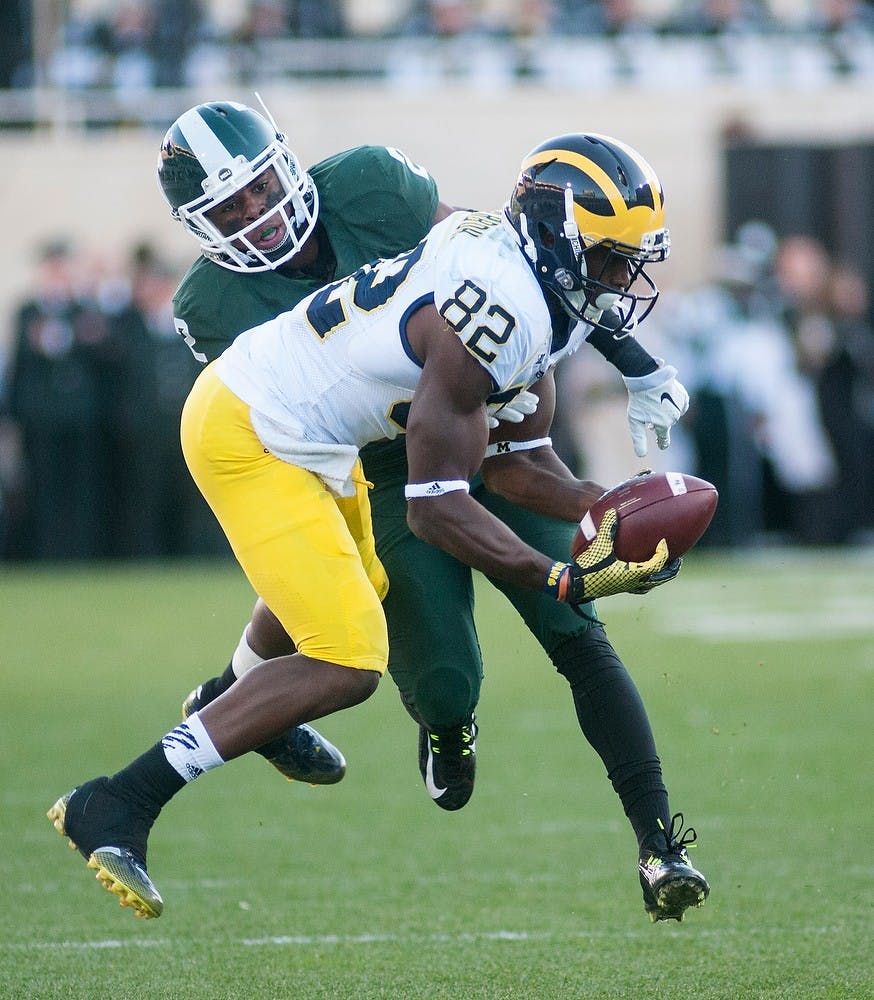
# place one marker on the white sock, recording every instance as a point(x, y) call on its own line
point(190, 750)
point(244, 657)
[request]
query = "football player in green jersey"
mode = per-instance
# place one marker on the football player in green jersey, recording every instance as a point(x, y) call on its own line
point(269, 234)
point(361, 204)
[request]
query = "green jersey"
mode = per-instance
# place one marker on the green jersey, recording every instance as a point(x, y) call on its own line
point(373, 202)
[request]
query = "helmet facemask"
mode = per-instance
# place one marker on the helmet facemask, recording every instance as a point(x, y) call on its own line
point(295, 208)
point(566, 265)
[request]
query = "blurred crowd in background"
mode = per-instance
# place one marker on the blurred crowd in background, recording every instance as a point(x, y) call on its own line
point(93, 387)
point(135, 44)
point(777, 352)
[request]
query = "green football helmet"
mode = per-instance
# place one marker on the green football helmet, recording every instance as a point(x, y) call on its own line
point(211, 154)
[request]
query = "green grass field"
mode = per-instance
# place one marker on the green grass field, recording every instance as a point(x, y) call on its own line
point(757, 672)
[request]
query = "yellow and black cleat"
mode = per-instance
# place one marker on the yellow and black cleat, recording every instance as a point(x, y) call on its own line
point(118, 869)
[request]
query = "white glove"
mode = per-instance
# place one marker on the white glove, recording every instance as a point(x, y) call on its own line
point(657, 400)
point(516, 410)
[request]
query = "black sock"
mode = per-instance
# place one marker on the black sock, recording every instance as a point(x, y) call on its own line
point(614, 721)
point(211, 689)
point(149, 782)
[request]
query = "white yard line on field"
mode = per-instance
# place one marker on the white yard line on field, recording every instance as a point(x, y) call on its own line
point(321, 940)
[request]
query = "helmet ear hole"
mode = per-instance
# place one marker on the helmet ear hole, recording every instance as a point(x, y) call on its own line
point(547, 236)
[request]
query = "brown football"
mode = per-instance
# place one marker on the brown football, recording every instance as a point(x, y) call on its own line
point(657, 505)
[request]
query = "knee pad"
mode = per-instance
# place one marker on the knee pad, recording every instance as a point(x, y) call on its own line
point(445, 698)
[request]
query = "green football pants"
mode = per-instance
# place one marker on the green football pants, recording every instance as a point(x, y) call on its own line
point(434, 653)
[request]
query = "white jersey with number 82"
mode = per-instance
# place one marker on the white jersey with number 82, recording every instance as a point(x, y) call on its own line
point(338, 371)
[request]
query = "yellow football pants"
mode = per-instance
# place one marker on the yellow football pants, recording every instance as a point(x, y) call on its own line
point(308, 554)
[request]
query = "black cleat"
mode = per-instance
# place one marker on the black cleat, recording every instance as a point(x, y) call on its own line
point(111, 835)
point(301, 754)
point(448, 764)
point(670, 884)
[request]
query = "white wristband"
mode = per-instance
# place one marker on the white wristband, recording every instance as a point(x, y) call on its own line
point(505, 447)
point(436, 489)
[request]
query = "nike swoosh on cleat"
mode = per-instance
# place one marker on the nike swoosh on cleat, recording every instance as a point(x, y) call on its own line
point(433, 790)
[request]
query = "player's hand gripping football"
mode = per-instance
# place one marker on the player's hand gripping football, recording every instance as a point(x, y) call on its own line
point(598, 572)
point(657, 400)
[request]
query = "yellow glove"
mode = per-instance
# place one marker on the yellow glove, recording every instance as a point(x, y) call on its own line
point(598, 572)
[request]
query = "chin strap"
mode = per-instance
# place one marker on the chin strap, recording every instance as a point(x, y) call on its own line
point(571, 229)
point(527, 244)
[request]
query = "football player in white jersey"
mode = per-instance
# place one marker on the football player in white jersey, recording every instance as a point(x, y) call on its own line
point(428, 343)
point(342, 369)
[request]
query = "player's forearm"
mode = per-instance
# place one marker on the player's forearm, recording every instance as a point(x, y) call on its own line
point(462, 527)
point(553, 497)
point(622, 350)
point(541, 482)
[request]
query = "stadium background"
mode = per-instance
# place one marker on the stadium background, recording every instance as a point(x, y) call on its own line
point(98, 186)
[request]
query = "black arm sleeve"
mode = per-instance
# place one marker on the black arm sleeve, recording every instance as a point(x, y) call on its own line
point(624, 352)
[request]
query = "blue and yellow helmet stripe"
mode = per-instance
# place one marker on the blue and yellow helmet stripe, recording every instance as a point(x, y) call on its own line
point(617, 195)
